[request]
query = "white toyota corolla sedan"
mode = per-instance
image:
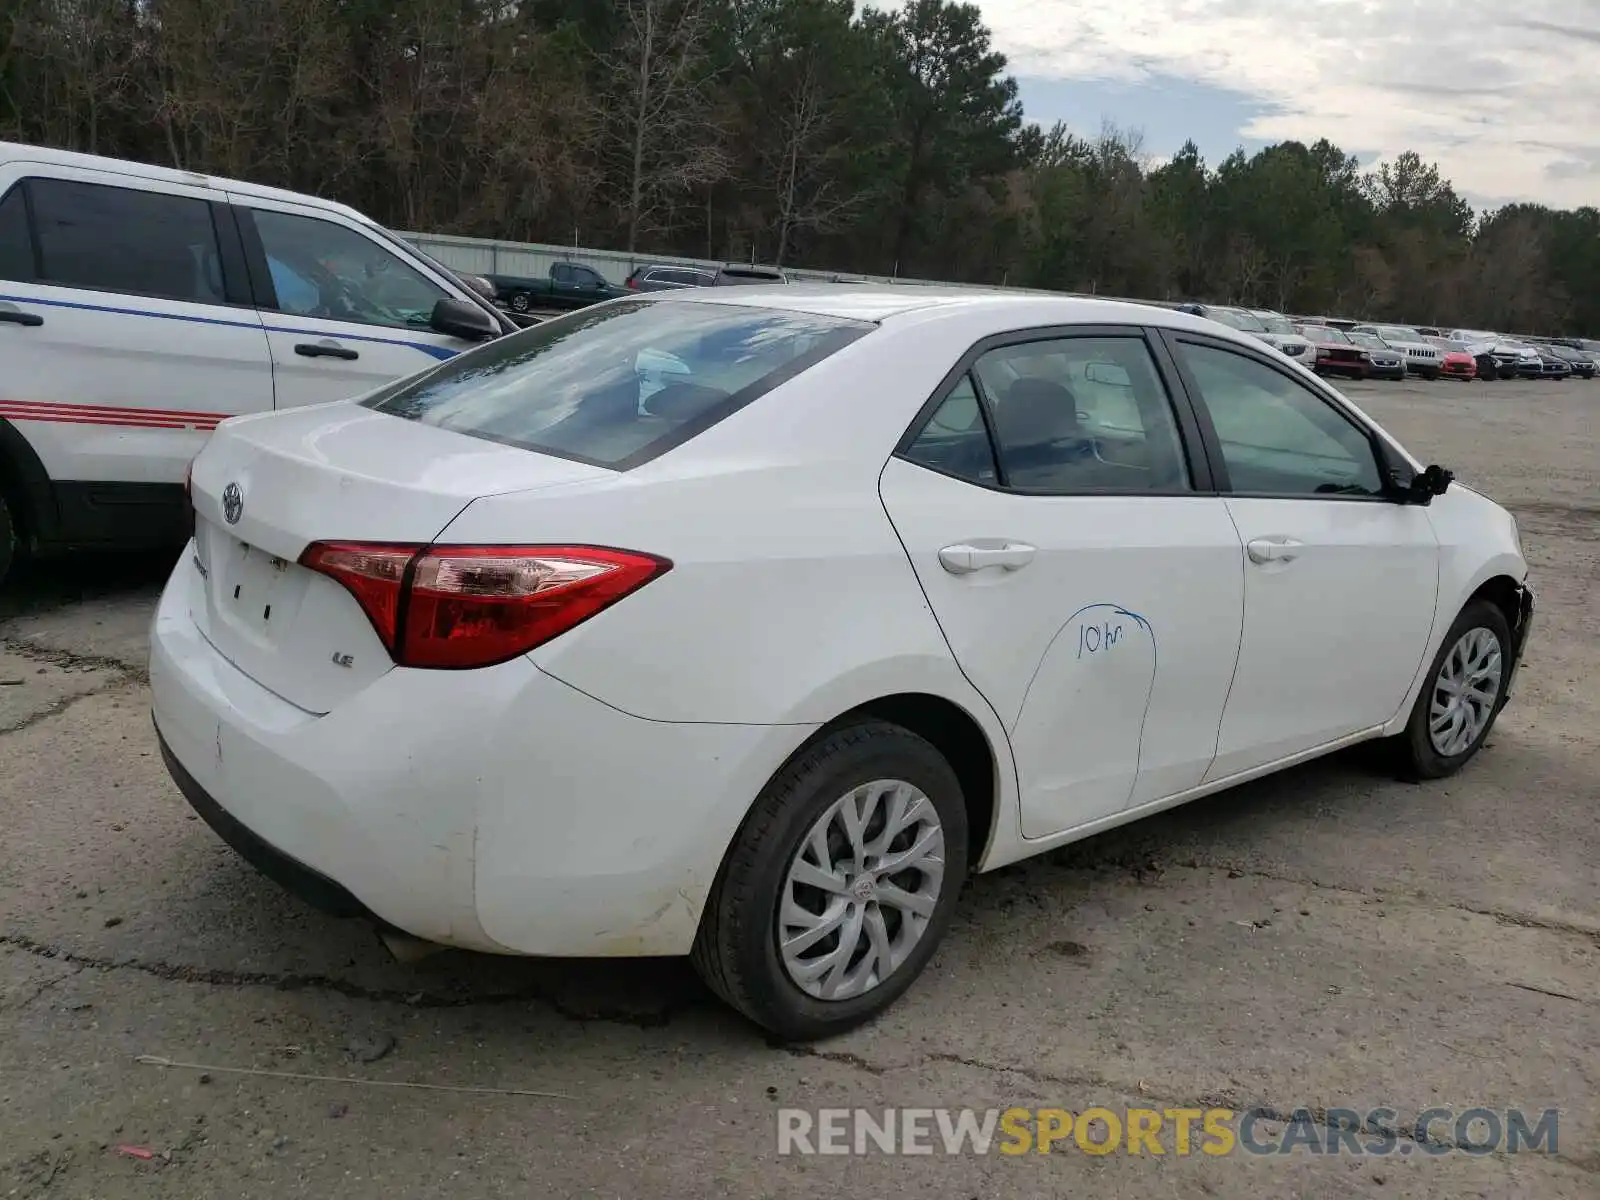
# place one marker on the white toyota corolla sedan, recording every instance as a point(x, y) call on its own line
point(747, 623)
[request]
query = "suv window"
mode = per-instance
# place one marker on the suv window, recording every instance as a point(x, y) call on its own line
point(1279, 437)
point(323, 269)
point(16, 243)
point(1081, 414)
point(619, 385)
point(114, 239)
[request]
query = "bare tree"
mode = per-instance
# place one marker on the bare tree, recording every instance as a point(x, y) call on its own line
point(802, 161)
point(663, 140)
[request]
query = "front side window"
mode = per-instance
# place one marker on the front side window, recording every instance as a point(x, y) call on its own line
point(323, 269)
point(1277, 436)
point(1081, 415)
point(619, 384)
point(114, 239)
point(16, 243)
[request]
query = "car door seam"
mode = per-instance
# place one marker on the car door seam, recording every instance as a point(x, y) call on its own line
point(1238, 649)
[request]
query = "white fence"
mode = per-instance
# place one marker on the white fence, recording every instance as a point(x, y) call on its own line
point(533, 260)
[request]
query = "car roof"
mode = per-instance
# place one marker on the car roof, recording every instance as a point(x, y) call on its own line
point(883, 302)
point(18, 152)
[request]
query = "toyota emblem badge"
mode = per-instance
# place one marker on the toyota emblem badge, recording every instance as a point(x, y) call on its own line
point(232, 503)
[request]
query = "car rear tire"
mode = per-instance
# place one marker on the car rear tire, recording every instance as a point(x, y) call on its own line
point(520, 302)
point(852, 857)
point(1461, 697)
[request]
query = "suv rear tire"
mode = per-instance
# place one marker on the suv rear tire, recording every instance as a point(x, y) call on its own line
point(8, 538)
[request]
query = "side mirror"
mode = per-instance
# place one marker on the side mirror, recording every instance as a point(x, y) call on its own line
point(1424, 485)
point(459, 319)
point(1434, 481)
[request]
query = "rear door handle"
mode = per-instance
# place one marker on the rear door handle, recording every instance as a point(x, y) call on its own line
point(328, 349)
point(1265, 550)
point(16, 316)
point(966, 557)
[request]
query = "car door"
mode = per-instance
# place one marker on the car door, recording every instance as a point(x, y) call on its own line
point(343, 311)
point(126, 334)
point(1084, 574)
point(1340, 577)
point(579, 286)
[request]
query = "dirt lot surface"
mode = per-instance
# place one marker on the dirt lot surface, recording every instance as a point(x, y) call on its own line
point(1326, 938)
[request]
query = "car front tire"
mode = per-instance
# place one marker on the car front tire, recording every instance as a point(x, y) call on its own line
point(839, 885)
point(1463, 693)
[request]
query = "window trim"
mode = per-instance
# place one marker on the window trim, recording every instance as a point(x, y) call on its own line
point(232, 285)
point(266, 295)
point(19, 189)
point(1191, 443)
point(1390, 467)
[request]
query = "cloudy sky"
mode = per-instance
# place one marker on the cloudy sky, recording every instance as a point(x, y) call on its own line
point(1503, 94)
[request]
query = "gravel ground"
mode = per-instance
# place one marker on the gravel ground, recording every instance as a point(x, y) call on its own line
point(1326, 938)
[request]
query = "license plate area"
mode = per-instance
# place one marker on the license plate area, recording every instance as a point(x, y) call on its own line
point(252, 591)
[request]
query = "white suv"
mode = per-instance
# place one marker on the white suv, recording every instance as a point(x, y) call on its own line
point(140, 306)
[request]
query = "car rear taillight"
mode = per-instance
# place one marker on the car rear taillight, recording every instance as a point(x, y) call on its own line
point(475, 606)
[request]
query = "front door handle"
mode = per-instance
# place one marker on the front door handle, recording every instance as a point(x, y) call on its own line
point(16, 316)
point(1265, 550)
point(967, 557)
point(326, 349)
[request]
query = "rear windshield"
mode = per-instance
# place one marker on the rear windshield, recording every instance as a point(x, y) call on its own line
point(618, 384)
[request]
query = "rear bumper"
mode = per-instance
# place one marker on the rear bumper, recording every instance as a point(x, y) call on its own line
point(315, 888)
point(497, 810)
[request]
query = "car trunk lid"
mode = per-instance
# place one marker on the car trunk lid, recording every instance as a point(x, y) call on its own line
point(267, 487)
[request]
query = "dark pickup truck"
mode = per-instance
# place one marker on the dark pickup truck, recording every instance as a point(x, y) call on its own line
point(569, 285)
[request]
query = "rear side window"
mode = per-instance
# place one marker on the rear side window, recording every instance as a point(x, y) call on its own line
point(16, 246)
point(113, 239)
point(619, 384)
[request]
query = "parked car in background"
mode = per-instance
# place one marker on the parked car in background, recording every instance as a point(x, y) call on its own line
point(1281, 334)
point(743, 274)
point(663, 277)
point(1422, 356)
point(568, 286)
point(1387, 362)
point(1552, 365)
point(1582, 364)
point(1459, 362)
point(143, 305)
point(1336, 353)
point(513, 598)
point(1513, 359)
